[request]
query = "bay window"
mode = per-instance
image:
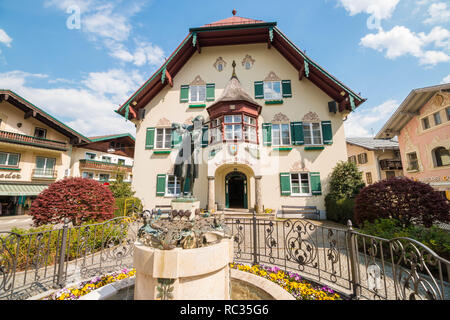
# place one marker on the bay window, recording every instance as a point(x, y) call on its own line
point(233, 127)
point(236, 127)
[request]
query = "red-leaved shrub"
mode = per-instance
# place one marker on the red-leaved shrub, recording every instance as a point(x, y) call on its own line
point(78, 199)
point(402, 199)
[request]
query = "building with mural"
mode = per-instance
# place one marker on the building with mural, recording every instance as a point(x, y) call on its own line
point(422, 124)
point(273, 127)
point(36, 150)
point(377, 159)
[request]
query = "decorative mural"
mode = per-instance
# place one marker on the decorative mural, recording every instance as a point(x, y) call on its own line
point(280, 117)
point(248, 62)
point(220, 64)
point(272, 77)
point(198, 81)
point(163, 122)
point(311, 117)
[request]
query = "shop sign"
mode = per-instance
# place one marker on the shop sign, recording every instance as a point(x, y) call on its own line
point(10, 175)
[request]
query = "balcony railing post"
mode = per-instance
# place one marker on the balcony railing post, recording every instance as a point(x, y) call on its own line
point(255, 239)
point(354, 263)
point(60, 280)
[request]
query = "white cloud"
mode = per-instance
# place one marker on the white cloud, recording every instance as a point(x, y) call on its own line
point(89, 109)
point(109, 23)
point(5, 39)
point(379, 9)
point(400, 41)
point(438, 13)
point(366, 123)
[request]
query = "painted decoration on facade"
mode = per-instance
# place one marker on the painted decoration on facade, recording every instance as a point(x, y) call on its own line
point(311, 117)
point(299, 166)
point(198, 81)
point(436, 103)
point(248, 62)
point(272, 77)
point(163, 122)
point(220, 64)
point(233, 149)
point(280, 117)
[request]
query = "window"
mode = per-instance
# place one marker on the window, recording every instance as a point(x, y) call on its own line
point(233, 127)
point(45, 167)
point(197, 93)
point(300, 184)
point(250, 129)
point(90, 156)
point(9, 159)
point(106, 159)
point(216, 131)
point(442, 157)
point(103, 177)
point(425, 123)
point(248, 65)
point(447, 112)
point(390, 174)
point(362, 158)
point(163, 138)
point(88, 175)
point(173, 187)
point(413, 163)
point(369, 177)
point(121, 162)
point(352, 159)
point(281, 134)
point(40, 133)
point(272, 90)
point(437, 118)
point(312, 133)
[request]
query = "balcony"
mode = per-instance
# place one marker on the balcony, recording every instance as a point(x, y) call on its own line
point(103, 166)
point(18, 138)
point(48, 174)
point(391, 164)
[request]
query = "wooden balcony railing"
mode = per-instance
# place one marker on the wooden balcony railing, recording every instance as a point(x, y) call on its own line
point(103, 166)
point(391, 164)
point(12, 137)
point(45, 174)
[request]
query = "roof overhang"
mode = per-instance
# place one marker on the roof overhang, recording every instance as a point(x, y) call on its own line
point(409, 108)
point(266, 32)
point(30, 110)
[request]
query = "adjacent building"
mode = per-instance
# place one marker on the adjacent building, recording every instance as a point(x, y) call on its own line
point(422, 125)
point(36, 150)
point(377, 159)
point(273, 127)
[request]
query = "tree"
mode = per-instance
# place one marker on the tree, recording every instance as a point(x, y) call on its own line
point(402, 199)
point(119, 188)
point(78, 199)
point(345, 182)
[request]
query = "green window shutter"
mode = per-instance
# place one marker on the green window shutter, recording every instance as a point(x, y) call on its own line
point(184, 93)
point(297, 133)
point(150, 139)
point(327, 132)
point(267, 134)
point(287, 89)
point(259, 89)
point(210, 91)
point(285, 184)
point(176, 139)
point(161, 185)
point(205, 137)
point(316, 186)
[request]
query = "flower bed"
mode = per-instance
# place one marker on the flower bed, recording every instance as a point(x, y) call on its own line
point(74, 293)
point(291, 282)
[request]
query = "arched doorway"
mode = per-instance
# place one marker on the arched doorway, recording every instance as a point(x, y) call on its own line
point(236, 190)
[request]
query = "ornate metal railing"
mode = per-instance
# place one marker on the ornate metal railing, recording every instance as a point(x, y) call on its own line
point(13, 137)
point(355, 264)
point(45, 173)
point(359, 265)
point(37, 262)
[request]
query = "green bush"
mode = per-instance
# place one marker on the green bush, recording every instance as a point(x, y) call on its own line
point(434, 238)
point(120, 204)
point(340, 210)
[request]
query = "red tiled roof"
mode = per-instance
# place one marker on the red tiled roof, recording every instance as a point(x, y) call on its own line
point(234, 20)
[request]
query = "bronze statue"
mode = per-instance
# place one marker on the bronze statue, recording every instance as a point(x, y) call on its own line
point(188, 157)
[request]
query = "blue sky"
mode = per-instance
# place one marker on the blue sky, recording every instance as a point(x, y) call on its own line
point(381, 48)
